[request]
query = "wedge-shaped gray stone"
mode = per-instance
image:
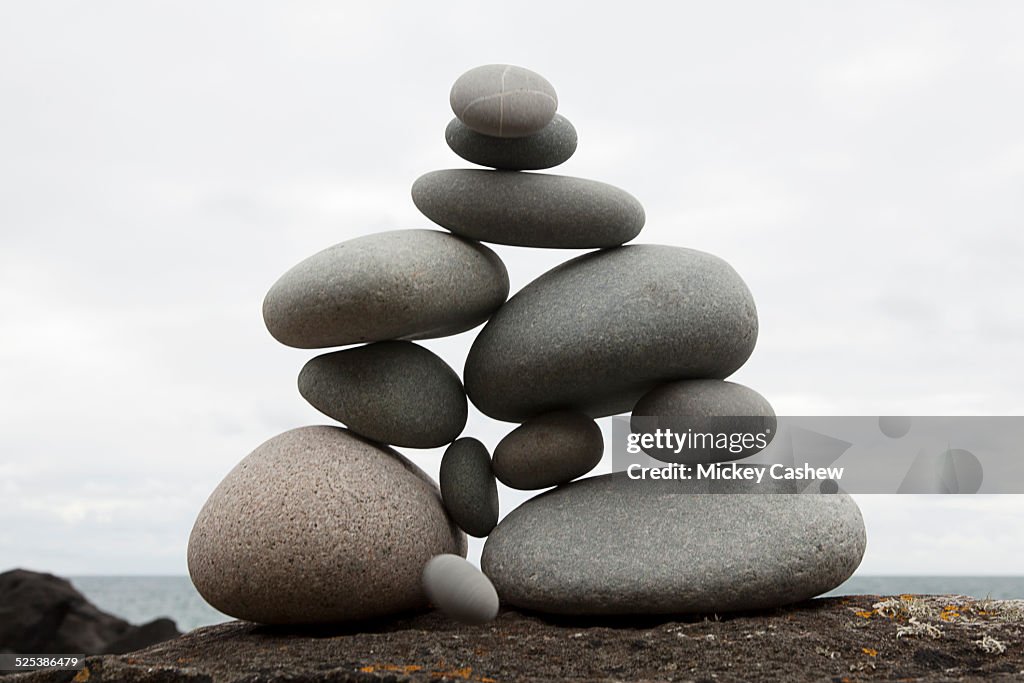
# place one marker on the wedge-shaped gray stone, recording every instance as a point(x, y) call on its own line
point(319, 525)
point(548, 450)
point(605, 545)
point(528, 209)
point(706, 406)
point(468, 488)
point(597, 332)
point(460, 590)
point(503, 100)
point(404, 284)
point(551, 146)
point(394, 392)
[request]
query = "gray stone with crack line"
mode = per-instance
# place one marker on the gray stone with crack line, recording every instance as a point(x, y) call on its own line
point(503, 100)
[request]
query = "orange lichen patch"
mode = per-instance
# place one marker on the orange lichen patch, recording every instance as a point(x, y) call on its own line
point(865, 614)
point(869, 651)
point(907, 597)
point(949, 612)
point(463, 673)
point(82, 676)
point(406, 668)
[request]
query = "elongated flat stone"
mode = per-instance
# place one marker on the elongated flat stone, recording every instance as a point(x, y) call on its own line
point(404, 284)
point(548, 450)
point(468, 488)
point(528, 209)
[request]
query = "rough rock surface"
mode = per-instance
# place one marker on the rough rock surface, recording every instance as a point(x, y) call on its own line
point(597, 332)
point(403, 284)
point(44, 614)
point(319, 525)
point(831, 639)
point(528, 209)
point(552, 145)
point(394, 392)
point(610, 545)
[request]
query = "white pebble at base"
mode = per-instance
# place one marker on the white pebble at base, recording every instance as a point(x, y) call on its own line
point(460, 590)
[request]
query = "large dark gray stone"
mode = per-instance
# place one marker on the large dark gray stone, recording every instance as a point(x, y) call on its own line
point(503, 100)
point(548, 450)
point(605, 545)
point(319, 525)
point(551, 146)
point(403, 284)
point(468, 488)
point(394, 392)
point(705, 406)
point(528, 209)
point(597, 332)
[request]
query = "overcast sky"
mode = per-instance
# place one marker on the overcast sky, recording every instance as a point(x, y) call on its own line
point(162, 164)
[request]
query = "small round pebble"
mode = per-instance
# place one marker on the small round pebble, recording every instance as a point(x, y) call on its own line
point(394, 392)
point(460, 590)
point(468, 488)
point(548, 450)
point(894, 427)
point(553, 145)
point(503, 100)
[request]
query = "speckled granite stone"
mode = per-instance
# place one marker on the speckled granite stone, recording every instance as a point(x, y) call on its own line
point(468, 488)
point(548, 450)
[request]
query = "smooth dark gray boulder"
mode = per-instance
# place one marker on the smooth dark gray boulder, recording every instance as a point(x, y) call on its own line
point(403, 284)
point(605, 545)
point(394, 392)
point(551, 146)
point(598, 332)
point(548, 450)
point(503, 100)
point(44, 614)
point(705, 406)
point(468, 487)
point(529, 209)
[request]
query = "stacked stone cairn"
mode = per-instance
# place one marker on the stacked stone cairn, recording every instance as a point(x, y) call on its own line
point(327, 524)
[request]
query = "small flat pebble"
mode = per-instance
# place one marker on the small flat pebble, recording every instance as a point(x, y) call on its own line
point(460, 590)
point(551, 146)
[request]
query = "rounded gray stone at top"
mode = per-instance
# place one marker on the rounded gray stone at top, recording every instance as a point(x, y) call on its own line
point(528, 209)
point(394, 392)
point(319, 525)
point(606, 546)
point(704, 406)
point(551, 146)
point(403, 284)
point(460, 590)
point(468, 488)
point(597, 332)
point(548, 450)
point(503, 100)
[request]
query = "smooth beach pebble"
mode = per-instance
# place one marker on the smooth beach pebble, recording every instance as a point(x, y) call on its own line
point(548, 450)
point(468, 488)
point(403, 284)
point(460, 590)
point(319, 525)
point(529, 209)
point(394, 392)
point(551, 146)
point(705, 406)
point(503, 100)
point(599, 331)
point(608, 545)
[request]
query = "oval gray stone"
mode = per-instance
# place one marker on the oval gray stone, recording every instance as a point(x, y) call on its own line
point(394, 392)
point(604, 545)
point(705, 406)
point(403, 284)
point(548, 450)
point(597, 332)
point(503, 100)
point(528, 209)
point(468, 488)
point(552, 145)
point(460, 590)
point(319, 525)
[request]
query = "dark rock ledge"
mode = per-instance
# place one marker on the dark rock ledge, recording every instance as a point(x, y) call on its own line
point(866, 637)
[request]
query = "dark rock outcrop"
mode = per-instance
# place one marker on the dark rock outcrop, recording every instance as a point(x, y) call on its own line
point(42, 613)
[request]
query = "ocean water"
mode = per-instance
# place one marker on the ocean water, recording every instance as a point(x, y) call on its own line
point(142, 598)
